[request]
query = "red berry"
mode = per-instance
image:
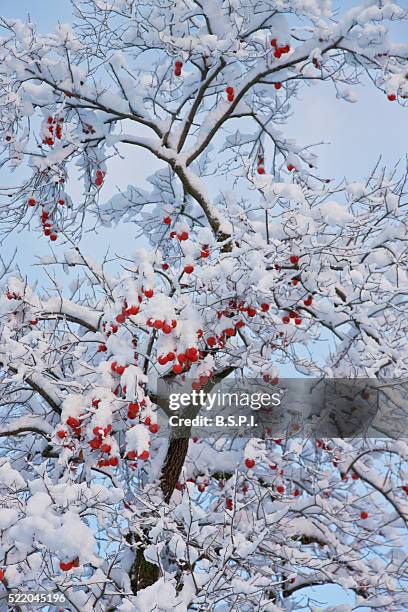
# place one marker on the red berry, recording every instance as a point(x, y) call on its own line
point(277, 85)
point(230, 90)
point(102, 348)
point(294, 259)
point(154, 428)
point(106, 448)
point(191, 354)
point(165, 266)
point(31, 201)
point(204, 253)
point(73, 422)
point(211, 341)
point(277, 53)
point(99, 181)
point(177, 368)
point(363, 515)
point(392, 97)
point(188, 269)
point(62, 434)
point(167, 220)
point(121, 318)
point(296, 493)
point(158, 324)
point(239, 324)
point(170, 356)
point(162, 360)
point(230, 98)
point(61, 202)
point(250, 463)
point(308, 301)
point(120, 369)
point(298, 321)
point(183, 236)
point(66, 566)
point(280, 489)
point(133, 310)
point(251, 311)
point(53, 237)
point(166, 329)
point(230, 331)
point(290, 167)
point(144, 456)
point(261, 170)
point(229, 504)
point(148, 293)
point(274, 42)
point(113, 461)
point(286, 319)
point(95, 443)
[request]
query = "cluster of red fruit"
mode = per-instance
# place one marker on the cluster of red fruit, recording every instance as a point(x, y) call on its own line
point(162, 325)
point(185, 360)
point(74, 424)
point(99, 177)
point(230, 93)
point(200, 384)
point(274, 380)
point(54, 129)
point(66, 567)
point(126, 313)
point(13, 296)
point(230, 331)
point(261, 164)
point(182, 236)
point(177, 68)
point(101, 443)
point(47, 226)
point(279, 51)
point(201, 486)
point(292, 315)
point(132, 455)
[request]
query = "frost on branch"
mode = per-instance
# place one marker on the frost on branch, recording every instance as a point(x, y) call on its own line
point(249, 261)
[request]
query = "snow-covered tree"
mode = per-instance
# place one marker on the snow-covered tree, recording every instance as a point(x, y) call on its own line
point(249, 259)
